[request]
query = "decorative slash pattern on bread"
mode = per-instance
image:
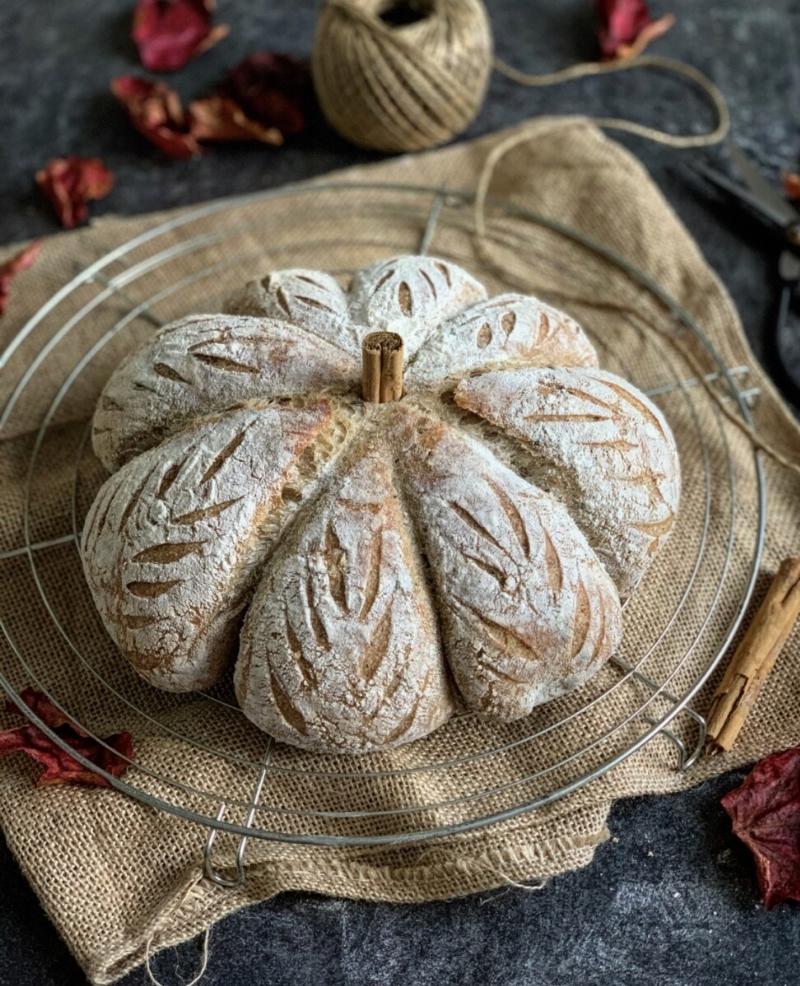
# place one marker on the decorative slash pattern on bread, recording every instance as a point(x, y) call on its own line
point(601, 445)
point(205, 363)
point(509, 328)
point(527, 610)
point(172, 540)
point(340, 648)
point(411, 296)
point(374, 567)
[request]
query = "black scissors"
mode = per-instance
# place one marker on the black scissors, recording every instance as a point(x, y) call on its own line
point(766, 202)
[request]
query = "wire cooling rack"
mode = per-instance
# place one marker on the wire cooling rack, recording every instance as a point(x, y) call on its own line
point(248, 785)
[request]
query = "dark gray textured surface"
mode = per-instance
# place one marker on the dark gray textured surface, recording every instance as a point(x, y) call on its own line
point(670, 900)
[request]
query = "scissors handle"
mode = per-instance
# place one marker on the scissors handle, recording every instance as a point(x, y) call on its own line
point(787, 380)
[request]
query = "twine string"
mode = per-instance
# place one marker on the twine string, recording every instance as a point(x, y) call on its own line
point(661, 63)
point(161, 921)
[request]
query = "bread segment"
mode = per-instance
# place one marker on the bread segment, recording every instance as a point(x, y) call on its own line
point(340, 649)
point(203, 364)
point(600, 445)
point(507, 328)
point(308, 298)
point(526, 610)
point(411, 296)
point(170, 544)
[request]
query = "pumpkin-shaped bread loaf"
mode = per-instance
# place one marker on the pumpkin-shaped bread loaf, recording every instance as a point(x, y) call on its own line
point(387, 503)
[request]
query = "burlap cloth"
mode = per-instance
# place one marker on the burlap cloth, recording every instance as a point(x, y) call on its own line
point(114, 873)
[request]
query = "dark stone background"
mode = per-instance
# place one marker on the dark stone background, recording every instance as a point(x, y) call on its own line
point(670, 900)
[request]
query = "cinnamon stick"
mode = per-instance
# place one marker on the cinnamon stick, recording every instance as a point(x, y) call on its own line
point(754, 658)
point(382, 367)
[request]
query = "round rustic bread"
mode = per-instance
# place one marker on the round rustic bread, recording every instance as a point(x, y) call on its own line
point(374, 567)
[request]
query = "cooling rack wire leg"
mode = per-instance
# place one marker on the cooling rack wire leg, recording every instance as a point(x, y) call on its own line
point(439, 200)
point(748, 395)
point(209, 868)
point(687, 757)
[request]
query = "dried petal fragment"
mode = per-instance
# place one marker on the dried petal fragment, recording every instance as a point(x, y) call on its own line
point(13, 266)
point(765, 812)
point(791, 185)
point(59, 766)
point(70, 183)
point(219, 119)
point(169, 33)
point(156, 112)
point(273, 90)
point(626, 27)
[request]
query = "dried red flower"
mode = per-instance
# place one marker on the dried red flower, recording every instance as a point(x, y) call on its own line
point(219, 119)
point(156, 112)
point(275, 90)
point(13, 266)
point(71, 182)
point(169, 33)
point(59, 766)
point(626, 27)
point(765, 811)
point(791, 185)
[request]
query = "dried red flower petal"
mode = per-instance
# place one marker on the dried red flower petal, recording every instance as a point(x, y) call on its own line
point(275, 90)
point(13, 266)
point(626, 27)
point(791, 185)
point(765, 811)
point(156, 112)
point(169, 33)
point(71, 182)
point(219, 119)
point(59, 766)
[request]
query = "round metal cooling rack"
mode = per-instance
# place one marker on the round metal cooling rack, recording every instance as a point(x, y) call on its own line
point(250, 786)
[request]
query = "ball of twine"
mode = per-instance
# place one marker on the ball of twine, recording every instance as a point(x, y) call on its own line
point(401, 75)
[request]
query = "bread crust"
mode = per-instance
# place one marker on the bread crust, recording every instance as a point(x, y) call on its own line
point(527, 611)
point(205, 363)
point(172, 542)
point(508, 329)
point(340, 649)
point(600, 445)
point(388, 563)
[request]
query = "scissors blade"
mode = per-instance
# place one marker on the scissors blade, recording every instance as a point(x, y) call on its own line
point(769, 199)
point(732, 187)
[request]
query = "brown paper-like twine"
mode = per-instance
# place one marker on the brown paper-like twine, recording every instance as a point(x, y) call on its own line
point(107, 868)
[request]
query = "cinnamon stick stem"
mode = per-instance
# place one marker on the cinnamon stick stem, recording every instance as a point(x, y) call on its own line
point(382, 367)
point(754, 658)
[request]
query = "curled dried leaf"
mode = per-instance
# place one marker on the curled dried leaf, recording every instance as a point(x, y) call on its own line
point(273, 90)
point(14, 265)
point(70, 183)
point(156, 111)
point(169, 33)
point(59, 766)
point(626, 27)
point(765, 812)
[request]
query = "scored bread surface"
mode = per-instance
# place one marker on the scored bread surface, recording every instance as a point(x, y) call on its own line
point(601, 445)
point(340, 647)
point(375, 567)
